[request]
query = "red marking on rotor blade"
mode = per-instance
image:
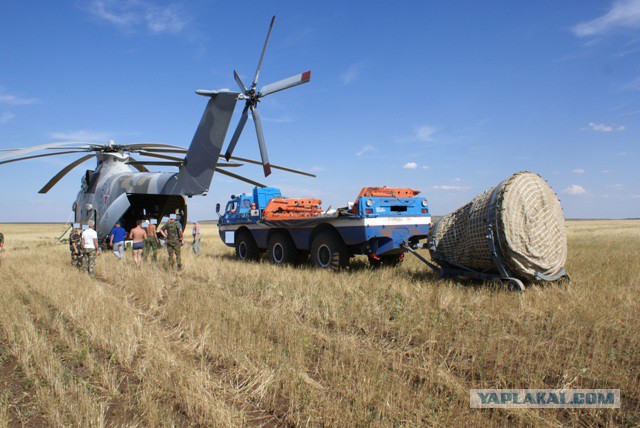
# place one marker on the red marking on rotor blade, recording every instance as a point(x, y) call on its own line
point(306, 76)
point(267, 170)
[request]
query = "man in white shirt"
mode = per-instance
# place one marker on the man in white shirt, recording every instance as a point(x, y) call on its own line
point(90, 247)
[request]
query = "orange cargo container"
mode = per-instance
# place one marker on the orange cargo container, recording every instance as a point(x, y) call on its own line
point(286, 209)
point(391, 192)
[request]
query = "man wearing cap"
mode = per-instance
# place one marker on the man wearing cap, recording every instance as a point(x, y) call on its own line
point(151, 243)
point(116, 240)
point(172, 232)
point(90, 247)
point(75, 246)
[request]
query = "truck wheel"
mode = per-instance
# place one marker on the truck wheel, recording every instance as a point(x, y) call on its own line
point(281, 249)
point(329, 251)
point(246, 247)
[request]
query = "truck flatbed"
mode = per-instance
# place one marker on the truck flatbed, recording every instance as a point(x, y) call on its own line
point(377, 227)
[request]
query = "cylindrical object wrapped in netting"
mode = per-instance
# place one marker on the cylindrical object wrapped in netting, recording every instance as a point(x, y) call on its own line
point(520, 221)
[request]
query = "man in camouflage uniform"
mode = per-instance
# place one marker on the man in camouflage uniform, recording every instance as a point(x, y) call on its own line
point(151, 243)
point(90, 247)
point(75, 246)
point(172, 232)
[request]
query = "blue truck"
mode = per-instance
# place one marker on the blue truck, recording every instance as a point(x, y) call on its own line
point(379, 224)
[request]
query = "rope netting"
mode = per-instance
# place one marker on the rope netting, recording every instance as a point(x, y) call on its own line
point(527, 217)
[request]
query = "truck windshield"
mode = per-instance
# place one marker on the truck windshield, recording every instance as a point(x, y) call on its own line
point(231, 207)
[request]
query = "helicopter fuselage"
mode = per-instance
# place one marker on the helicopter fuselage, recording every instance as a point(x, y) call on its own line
point(113, 192)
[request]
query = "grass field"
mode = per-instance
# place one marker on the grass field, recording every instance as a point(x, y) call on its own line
point(225, 343)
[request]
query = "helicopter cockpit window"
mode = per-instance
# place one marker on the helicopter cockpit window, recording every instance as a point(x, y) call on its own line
point(87, 177)
point(246, 204)
point(231, 207)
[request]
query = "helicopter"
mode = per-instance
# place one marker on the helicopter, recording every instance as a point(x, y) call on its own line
point(121, 188)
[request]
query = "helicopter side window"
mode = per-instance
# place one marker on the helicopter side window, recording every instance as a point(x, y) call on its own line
point(246, 204)
point(231, 207)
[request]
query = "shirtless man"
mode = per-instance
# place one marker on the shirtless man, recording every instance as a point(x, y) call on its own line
point(138, 235)
point(151, 243)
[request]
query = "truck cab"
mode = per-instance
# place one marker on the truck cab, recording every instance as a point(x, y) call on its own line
point(239, 208)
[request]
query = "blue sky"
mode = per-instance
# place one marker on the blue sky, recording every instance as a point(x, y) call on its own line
point(446, 97)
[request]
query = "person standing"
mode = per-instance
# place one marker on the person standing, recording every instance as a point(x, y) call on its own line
point(139, 236)
point(151, 243)
point(172, 232)
point(90, 247)
point(116, 240)
point(1, 242)
point(196, 245)
point(75, 246)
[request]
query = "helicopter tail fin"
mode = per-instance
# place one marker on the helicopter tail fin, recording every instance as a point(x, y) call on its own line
point(196, 172)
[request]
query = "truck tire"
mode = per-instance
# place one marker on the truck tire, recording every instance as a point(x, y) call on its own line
point(246, 247)
point(281, 249)
point(328, 251)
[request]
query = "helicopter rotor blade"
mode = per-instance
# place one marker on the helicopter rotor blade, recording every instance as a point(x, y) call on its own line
point(37, 156)
point(158, 146)
point(137, 165)
point(152, 150)
point(287, 83)
point(239, 82)
point(236, 134)
point(64, 172)
point(238, 177)
point(261, 143)
point(229, 165)
point(20, 152)
point(264, 49)
point(282, 168)
point(155, 155)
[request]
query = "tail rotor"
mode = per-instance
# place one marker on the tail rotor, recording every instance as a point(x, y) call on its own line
point(252, 98)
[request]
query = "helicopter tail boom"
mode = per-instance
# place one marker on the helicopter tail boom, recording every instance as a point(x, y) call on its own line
point(196, 172)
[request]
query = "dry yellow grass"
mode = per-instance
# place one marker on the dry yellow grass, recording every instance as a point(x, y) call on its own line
point(225, 343)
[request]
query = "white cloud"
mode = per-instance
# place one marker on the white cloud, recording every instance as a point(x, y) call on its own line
point(452, 188)
point(6, 117)
point(318, 168)
point(578, 171)
point(615, 186)
point(286, 118)
point(81, 135)
point(424, 133)
point(426, 167)
point(410, 165)
point(623, 14)
point(421, 134)
point(366, 149)
point(601, 127)
point(129, 14)
point(15, 100)
point(351, 74)
point(606, 171)
point(575, 190)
